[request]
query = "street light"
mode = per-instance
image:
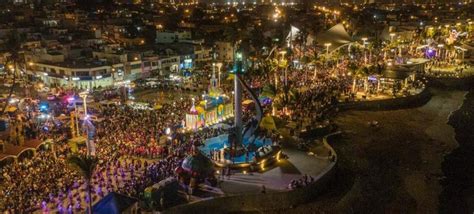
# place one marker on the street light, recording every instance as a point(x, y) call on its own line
point(219, 65)
point(391, 36)
point(213, 69)
point(282, 54)
point(327, 47)
point(283, 61)
point(83, 95)
point(364, 41)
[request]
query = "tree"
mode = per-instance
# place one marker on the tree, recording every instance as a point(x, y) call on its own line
point(86, 4)
point(317, 62)
point(12, 46)
point(288, 95)
point(229, 34)
point(359, 73)
point(197, 14)
point(269, 91)
point(150, 34)
point(86, 166)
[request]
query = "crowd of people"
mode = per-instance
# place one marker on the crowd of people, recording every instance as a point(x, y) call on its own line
point(129, 141)
point(318, 99)
point(32, 184)
point(302, 182)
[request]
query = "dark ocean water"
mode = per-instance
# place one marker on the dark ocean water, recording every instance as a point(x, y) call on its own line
point(458, 167)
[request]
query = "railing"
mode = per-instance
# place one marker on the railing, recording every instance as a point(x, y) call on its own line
point(268, 201)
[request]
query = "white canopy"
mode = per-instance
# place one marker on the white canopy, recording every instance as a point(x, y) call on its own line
point(294, 31)
point(337, 36)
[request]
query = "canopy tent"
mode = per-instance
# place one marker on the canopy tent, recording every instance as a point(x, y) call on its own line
point(337, 36)
point(114, 203)
point(293, 34)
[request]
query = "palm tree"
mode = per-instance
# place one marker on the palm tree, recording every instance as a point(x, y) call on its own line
point(317, 61)
point(86, 166)
point(270, 91)
point(12, 45)
point(352, 68)
point(288, 96)
point(362, 72)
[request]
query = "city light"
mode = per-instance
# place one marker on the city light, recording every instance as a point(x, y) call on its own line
point(170, 105)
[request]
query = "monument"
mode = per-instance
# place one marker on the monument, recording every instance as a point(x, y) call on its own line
point(243, 146)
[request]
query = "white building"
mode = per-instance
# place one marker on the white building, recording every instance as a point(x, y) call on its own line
point(162, 64)
point(87, 74)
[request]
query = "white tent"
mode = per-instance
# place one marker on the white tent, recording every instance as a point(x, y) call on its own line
point(292, 35)
point(337, 36)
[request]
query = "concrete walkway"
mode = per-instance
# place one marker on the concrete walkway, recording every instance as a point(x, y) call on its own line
point(278, 176)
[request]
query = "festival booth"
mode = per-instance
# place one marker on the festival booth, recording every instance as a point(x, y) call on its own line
point(214, 108)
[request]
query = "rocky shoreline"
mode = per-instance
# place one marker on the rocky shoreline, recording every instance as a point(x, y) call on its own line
point(458, 167)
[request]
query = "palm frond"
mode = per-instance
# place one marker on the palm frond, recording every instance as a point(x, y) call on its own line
point(83, 164)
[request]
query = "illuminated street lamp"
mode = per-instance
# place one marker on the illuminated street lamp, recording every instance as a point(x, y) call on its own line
point(327, 47)
point(281, 63)
point(83, 95)
point(282, 55)
point(213, 69)
point(219, 66)
point(391, 36)
point(364, 41)
point(89, 132)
